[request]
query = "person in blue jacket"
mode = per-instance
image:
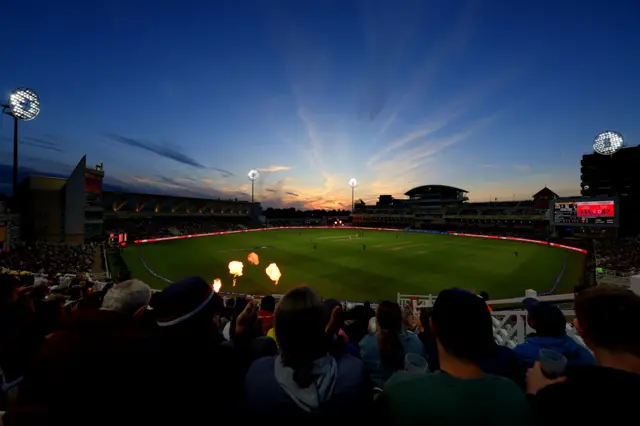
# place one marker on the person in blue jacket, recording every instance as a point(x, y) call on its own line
point(550, 326)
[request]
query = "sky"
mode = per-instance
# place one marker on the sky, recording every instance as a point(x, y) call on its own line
point(499, 98)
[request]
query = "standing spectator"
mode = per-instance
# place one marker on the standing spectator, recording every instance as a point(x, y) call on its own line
point(383, 352)
point(550, 326)
point(91, 358)
point(464, 334)
point(304, 382)
point(608, 319)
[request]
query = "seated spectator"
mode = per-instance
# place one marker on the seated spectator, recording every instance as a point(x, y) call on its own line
point(229, 330)
point(91, 358)
point(188, 369)
point(265, 314)
point(608, 319)
point(339, 343)
point(460, 393)
point(356, 326)
point(428, 339)
point(383, 352)
point(304, 382)
point(20, 333)
point(550, 326)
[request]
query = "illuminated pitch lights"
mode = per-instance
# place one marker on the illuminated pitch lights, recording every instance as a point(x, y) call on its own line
point(608, 143)
point(24, 104)
point(253, 174)
point(353, 182)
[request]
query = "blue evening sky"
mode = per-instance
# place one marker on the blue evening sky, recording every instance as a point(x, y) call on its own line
point(498, 97)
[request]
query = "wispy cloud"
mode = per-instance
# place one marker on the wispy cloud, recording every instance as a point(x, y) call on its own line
point(41, 143)
point(163, 151)
point(272, 169)
point(292, 193)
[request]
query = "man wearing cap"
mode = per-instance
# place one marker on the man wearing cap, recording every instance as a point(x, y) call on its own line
point(550, 326)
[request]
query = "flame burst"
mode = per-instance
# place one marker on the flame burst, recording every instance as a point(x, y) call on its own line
point(235, 269)
point(253, 258)
point(274, 273)
point(217, 284)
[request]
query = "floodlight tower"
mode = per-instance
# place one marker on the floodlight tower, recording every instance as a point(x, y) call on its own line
point(253, 176)
point(353, 183)
point(24, 104)
point(608, 143)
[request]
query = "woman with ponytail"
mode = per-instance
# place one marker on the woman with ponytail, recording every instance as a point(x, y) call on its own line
point(383, 352)
point(305, 382)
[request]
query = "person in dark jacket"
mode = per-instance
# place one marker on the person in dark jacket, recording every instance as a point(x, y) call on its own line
point(304, 383)
point(608, 319)
point(550, 326)
point(189, 370)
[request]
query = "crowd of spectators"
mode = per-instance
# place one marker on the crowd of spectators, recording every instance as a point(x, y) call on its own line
point(48, 258)
point(181, 356)
point(621, 255)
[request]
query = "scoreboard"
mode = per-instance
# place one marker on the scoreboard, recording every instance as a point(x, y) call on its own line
point(574, 212)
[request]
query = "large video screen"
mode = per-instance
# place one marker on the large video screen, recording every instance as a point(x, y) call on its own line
point(584, 213)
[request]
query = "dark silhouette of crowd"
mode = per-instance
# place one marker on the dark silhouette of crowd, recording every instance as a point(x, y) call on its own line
point(49, 258)
point(621, 255)
point(126, 355)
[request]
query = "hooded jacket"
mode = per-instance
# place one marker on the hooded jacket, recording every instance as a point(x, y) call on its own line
point(340, 389)
point(575, 353)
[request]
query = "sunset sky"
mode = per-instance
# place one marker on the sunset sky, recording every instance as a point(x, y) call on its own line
point(497, 97)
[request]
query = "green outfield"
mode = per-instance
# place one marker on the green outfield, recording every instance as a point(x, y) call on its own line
point(340, 267)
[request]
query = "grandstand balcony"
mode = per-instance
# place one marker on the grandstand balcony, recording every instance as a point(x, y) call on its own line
point(119, 204)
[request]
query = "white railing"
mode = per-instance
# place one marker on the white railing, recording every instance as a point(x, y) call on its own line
point(509, 327)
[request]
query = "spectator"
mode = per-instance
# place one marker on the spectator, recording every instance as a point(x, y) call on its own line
point(20, 333)
point(356, 326)
point(304, 382)
point(229, 330)
point(188, 368)
point(550, 326)
point(67, 375)
point(608, 319)
point(383, 352)
point(265, 314)
point(462, 327)
point(339, 343)
point(428, 339)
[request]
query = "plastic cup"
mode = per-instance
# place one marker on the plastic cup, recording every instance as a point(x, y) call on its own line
point(552, 363)
point(415, 364)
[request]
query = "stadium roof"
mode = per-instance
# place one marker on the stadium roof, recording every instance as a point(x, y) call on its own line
point(545, 192)
point(428, 188)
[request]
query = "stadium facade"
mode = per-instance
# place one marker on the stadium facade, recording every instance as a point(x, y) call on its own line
point(615, 176)
point(76, 209)
point(442, 207)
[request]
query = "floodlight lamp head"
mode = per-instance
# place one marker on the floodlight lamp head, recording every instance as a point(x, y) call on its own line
point(24, 104)
point(353, 182)
point(253, 174)
point(608, 143)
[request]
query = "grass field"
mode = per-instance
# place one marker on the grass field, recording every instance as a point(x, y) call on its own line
point(408, 263)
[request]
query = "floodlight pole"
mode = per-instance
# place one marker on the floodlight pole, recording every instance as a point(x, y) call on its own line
point(252, 183)
point(6, 109)
point(15, 156)
point(353, 192)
